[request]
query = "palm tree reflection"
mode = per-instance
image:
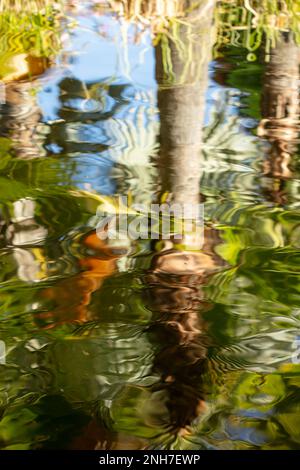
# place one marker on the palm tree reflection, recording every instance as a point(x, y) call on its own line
point(280, 114)
point(176, 278)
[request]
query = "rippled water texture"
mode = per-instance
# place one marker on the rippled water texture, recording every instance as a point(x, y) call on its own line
point(143, 344)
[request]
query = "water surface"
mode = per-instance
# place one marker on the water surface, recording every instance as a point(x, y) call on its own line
point(135, 345)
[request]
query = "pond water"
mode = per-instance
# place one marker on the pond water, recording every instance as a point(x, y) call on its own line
point(135, 344)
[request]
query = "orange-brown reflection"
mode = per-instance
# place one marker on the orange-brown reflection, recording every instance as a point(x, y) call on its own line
point(72, 296)
point(96, 437)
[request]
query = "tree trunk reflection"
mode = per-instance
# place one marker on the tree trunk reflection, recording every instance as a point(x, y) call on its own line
point(176, 278)
point(280, 113)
